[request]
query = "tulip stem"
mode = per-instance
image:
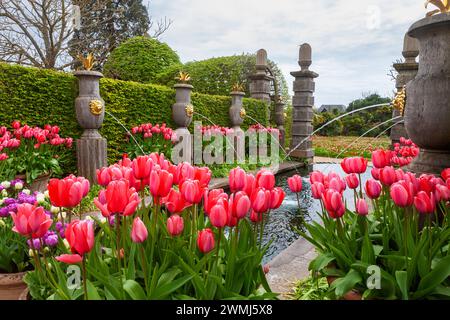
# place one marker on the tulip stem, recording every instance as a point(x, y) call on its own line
point(218, 247)
point(117, 222)
point(84, 279)
point(144, 267)
point(298, 200)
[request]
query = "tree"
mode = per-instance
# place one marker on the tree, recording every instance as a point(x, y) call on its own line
point(105, 24)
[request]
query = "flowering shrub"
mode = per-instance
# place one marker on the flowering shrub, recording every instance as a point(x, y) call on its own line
point(188, 242)
point(405, 234)
point(148, 138)
point(30, 151)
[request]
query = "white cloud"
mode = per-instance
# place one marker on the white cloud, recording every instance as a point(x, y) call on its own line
point(353, 48)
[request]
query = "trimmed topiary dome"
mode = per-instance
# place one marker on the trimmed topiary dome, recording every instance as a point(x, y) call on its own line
point(140, 59)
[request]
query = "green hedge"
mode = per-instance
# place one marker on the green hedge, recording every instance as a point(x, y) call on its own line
point(36, 97)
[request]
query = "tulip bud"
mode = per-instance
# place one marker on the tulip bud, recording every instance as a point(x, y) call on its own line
point(205, 240)
point(139, 232)
point(66, 244)
point(175, 225)
point(4, 193)
point(18, 186)
point(6, 184)
point(54, 210)
point(362, 208)
point(40, 198)
point(31, 253)
point(26, 191)
point(46, 194)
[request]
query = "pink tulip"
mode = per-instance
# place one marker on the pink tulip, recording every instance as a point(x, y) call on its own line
point(119, 198)
point(174, 202)
point(362, 208)
point(218, 215)
point(239, 204)
point(260, 200)
point(317, 176)
point(354, 165)
point(160, 183)
point(175, 225)
point(373, 189)
point(255, 216)
point(211, 197)
point(183, 171)
point(337, 184)
point(276, 198)
point(333, 203)
point(142, 166)
point(265, 179)
point(203, 175)
point(295, 183)
point(317, 190)
point(191, 191)
point(425, 203)
point(80, 236)
point(250, 184)
point(352, 181)
point(375, 173)
point(381, 158)
point(446, 174)
point(205, 240)
point(442, 193)
point(402, 193)
point(31, 221)
point(388, 176)
point(139, 232)
point(236, 179)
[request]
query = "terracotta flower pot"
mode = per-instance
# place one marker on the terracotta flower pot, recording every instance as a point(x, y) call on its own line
point(25, 295)
point(39, 184)
point(11, 285)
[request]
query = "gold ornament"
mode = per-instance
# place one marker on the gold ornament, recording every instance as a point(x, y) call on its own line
point(183, 77)
point(87, 62)
point(96, 107)
point(238, 87)
point(399, 102)
point(443, 5)
point(189, 110)
point(243, 113)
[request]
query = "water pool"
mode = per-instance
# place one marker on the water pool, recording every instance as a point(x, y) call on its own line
point(282, 222)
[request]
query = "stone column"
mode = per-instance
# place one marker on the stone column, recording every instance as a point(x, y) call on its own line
point(182, 113)
point(427, 117)
point(302, 103)
point(90, 111)
point(279, 120)
point(260, 80)
point(237, 115)
point(406, 72)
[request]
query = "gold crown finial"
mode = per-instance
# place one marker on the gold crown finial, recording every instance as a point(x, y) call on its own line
point(87, 62)
point(183, 77)
point(399, 102)
point(238, 87)
point(443, 6)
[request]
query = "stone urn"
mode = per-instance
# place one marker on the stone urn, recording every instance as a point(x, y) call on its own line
point(237, 111)
point(90, 111)
point(11, 285)
point(427, 116)
point(182, 110)
point(280, 120)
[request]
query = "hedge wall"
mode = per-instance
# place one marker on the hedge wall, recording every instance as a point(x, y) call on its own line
point(36, 97)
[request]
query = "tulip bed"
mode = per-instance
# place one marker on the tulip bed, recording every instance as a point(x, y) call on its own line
point(188, 243)
point(398, 251)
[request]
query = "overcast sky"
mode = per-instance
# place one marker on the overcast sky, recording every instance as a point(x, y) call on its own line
point(354, 41)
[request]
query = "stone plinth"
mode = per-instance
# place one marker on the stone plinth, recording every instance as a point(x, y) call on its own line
point(427, 117)
point(279, 121)
point(302, 103)
point(260, 81)
point(90, 112)
point(182, 113)
point(406, 72)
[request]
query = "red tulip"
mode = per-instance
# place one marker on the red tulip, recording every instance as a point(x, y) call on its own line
point(120, 199)
point(237, 179)
point(333, 203)
point(337, 184)
point(80, 235)
point(139, 232)
point(183, 171)
point(295, 183)
point(375, 173)
point(31, 221)
point(203, 175)
point(255, 216)
point(373, 189)
point(85, 184)
point(354, 165)
point(218, 215)
point(108, 174)
point(15, 124)
point(399, 174)
point(174, 202)
point(276, 198)
point(250, 184)
point(446, 174)
point(160, 183)
point(317, 190)
point(260, 200)
point(381, 158)
point(265, 179)
point(427, 183)
point(239, 204)
point(191, 191)
point(352, 181)
point(425, 203)
point(388, 176)
point(66, 192)
point(175, 225)
point(362, 208)
point(210, 198)
point(402, 193)
point(205, 240)
point(142, 166)
point(317, 176)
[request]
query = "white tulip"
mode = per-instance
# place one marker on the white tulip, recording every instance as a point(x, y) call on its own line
point(18, 186)
point(26, 191)
point(6, 184)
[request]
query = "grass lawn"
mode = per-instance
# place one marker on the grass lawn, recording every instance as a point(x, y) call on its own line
point(333, 146)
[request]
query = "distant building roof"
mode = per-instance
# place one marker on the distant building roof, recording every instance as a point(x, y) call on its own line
point(332, 107)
